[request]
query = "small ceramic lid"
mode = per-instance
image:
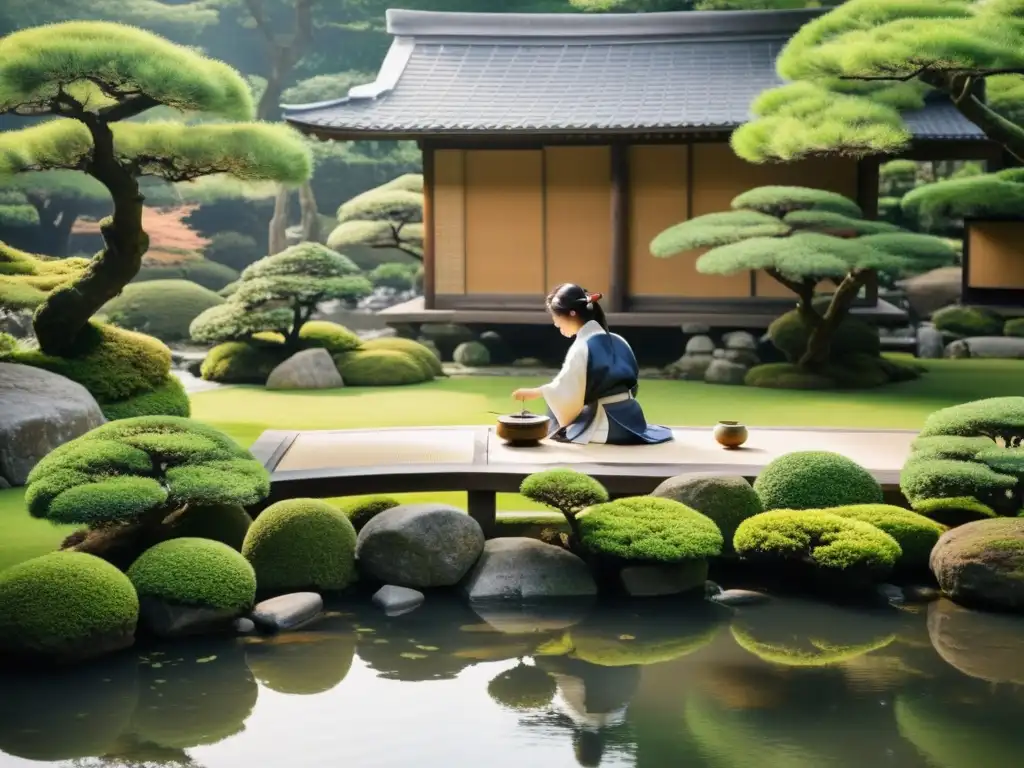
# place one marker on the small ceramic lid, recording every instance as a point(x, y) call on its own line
point(519, 420)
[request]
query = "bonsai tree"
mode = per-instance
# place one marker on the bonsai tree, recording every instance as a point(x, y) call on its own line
point(802, 237)
point(566, 490)
point(128, 481)
point(967, 463)
point(109, 73)
point(280, 293)
point(390, 216)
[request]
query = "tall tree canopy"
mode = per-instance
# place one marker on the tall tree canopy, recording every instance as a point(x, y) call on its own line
point(854, 69)
point(92, 78)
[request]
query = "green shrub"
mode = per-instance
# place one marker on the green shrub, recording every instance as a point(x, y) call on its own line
point(815, 480)
point(400, 277)
point(208, 274)
point(424, 354)
point(647, 529)
point(195, 572)
point(364, 510)
point(242, 362)
point(302, 544)
point(790, 334)
point(162, 308)
point(523, 687)
point(951, 491)
point(52, 605)
point(333, 337)
point(472, 354)
point(233, 250)
point(566, 490)
point(727, 499)
point(968, 321)
point(786, 376)
point(817, 537)
point(1014, 327)
point(379, 368)
point(168, 399)
point(226, 523)
point(915, 533)
point(8, 344)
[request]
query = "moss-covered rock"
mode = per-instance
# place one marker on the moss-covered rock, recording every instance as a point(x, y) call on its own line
point(915, 533)
point(302, 663)
point(167, 399)
point(426, 355)
point(65, 606)
point(197, 573)
point(226, 523)
point(302, 544)
point(968, 321)
point(241, 362)
point(472, 354)
point(522, 688)
point(815, 480)
point(837, 546)
point(727, 499)
point(162, 308)
point(566, 490)
point(648, 530)
point(362, 511)
point(380, 368)
point(982, 563)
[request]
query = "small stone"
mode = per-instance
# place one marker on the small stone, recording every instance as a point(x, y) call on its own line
point(692, 329)
point(742, 357)
point(397, 600)
point(957, 350)
point(718, 354)
point(689, 367)
point(244, 626)
point(733, 597)
point(659, 580)
point(724, 372)
point(740, 340)
point(891, 592)
point(700, 345)
point(287, 611)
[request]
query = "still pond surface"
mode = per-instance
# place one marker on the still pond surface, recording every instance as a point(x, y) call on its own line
point(790, 684)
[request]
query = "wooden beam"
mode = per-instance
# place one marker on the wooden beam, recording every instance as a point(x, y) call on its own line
point(429, 260)
point(618, 282)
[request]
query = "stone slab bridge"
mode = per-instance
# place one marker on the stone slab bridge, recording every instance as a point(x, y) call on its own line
point(473, 459)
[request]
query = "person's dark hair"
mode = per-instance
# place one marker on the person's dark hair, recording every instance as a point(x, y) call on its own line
point(569, 298)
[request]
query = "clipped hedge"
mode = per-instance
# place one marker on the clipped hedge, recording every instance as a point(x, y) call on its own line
point(302, 544)
point(915, 533)
point(380, 368)
point(968, 321)
point(364, 510)
point(815, 480)
point(241, 362)
point(208, 274)
point(65, 603)
point(167, 399)
point(333, 337)
point(163, 308)
point(195, 572)
point(423, 354)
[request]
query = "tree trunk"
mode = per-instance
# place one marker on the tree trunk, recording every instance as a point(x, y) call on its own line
point(279, 222)
point(61, 318)
point(816, 355)
point(310, 215)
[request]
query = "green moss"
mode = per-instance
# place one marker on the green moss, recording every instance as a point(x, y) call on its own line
point(790, 334)
point(240, 362)
point(315, 664)
point(949, 447)
point(915, 533)
point(727, 499)
point(364, 510)
point(814, 536)
point(195, 572)
point(424, 354)
point(940, 487)
point(648, 529)
point(566, 490)
point(51, 604)
point(523, 688)
point(954, 511)
point(968, 321)
point(226, 523)
point(787, 376)
point(380, 368)
point(163, 309)
point(1014, 327)
point(322, 334)
point(472, 354)
point(8, 344)
point(302, 544)
point(167, 399)
point(815, 480)
point(208, 274)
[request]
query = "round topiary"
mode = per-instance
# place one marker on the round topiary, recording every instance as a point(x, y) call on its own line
point(242, 362)
point(302, 544)
point(839, 545)
point(380, 368)
point(427, 356)
point(333, 337)
point(167, 399)
point(472, 354)
point(1014, 327)
point(790, 334)
point(195, 572)
point(523, 688)
point(364, 510)
point(162, 308)
point(727, 499)
point(647, 529)
point(65, 606)
point(968, 321)
point(815, 480)
point(226, 523)
point(566, 490)
point(915, 533)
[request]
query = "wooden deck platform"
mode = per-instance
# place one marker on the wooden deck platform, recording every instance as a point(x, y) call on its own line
point(327, 463)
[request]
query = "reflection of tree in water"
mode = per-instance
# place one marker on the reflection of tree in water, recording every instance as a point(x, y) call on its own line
point(524, 687)
point(129, 752)
point(303, 663)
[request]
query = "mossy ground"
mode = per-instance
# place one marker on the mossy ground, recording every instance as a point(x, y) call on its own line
point(245, 412)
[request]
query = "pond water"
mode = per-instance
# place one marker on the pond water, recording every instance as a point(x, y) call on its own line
point(789, 684)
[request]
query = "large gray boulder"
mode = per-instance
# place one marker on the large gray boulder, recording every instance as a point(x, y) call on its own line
point(419, 546)
point(725, 372)
point(308, 369)
point(517, 568)
point(1004, 347)
point(981, 564)
point(933, 290)
point(39, 411)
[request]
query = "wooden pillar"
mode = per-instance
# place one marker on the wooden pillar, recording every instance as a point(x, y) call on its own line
point(429, 263)
point(867, 186)
point(618, 284)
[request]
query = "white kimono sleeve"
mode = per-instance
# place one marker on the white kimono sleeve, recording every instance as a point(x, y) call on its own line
point(566, 393)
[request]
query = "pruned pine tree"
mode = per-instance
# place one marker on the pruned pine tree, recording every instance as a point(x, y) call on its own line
point(389, 216)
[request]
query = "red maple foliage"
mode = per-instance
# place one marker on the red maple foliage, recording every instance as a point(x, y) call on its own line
point(171, 240)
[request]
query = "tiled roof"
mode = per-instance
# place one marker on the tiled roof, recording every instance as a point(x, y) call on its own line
point(470, 73)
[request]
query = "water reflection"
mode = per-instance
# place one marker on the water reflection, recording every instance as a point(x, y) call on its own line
point(791, 683)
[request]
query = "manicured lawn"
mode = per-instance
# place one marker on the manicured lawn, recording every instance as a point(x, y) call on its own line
point(244, 412)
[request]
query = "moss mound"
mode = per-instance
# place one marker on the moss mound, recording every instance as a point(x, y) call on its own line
point(163, 308)
point(302, 544)
point(424, 354)
point(815, 480)
point(787, 376)
point(915, 533)
point(61, 604)
point(566, 490)
point(522, 688)
point(195, 572)
point(226, 523)
point(322, 334)
point(208, 274)
point(302, 663)
point(818, 538)
point(648, 529)
point(364, 510)
point(727, 499)
point(167, 399)
point(968, 321)
point(790, 334)
point(240, 362)
point(380, 368)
